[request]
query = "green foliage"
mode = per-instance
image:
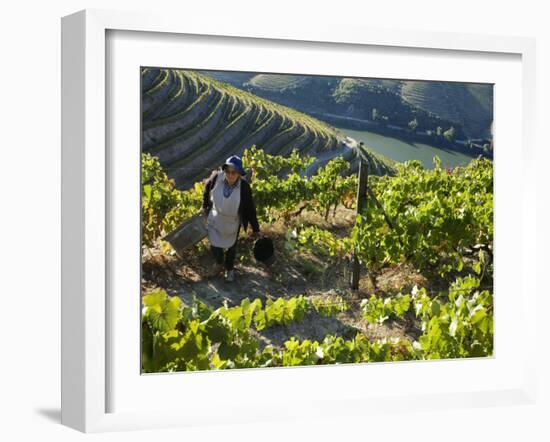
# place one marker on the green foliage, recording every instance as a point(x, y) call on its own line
point(329, 307)
point(337, 350)
point(459, 327)
point(378, 310)
point(330, 187)
point(280, 185)
point(281, 311)
point(318, 240)
point(176, 337)
point(163, 206)
point(437, 214)
point(161, 312)
point(264, 165)
point(203, 339)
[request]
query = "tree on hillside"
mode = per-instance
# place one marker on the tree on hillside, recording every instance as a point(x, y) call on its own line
point(413, 125)
point(449, 134)
point(439, 131)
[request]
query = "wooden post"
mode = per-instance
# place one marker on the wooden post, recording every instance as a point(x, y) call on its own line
point(360, 203)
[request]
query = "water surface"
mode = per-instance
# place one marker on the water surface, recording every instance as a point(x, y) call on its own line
point(400, 150)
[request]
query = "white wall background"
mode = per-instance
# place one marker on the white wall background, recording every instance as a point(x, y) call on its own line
point(30, 214)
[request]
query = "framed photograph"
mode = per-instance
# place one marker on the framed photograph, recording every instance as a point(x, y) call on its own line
point(251, 213)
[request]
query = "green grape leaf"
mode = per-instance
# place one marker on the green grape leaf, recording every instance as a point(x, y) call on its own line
point(162, 312)
point(477, 314)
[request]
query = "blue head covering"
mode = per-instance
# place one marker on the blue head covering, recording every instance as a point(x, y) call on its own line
point(236, 163)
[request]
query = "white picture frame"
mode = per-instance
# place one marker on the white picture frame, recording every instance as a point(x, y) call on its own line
point(86, 233)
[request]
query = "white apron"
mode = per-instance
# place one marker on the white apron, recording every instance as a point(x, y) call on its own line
point(223, 219)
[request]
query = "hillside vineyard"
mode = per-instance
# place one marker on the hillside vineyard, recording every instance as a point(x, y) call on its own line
point(191, 123)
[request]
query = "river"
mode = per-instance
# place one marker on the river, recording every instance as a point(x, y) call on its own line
point(400, 150)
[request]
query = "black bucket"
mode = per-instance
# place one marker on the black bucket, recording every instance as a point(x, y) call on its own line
point(263, 251)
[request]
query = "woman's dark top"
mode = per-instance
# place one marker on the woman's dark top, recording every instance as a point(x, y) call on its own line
point(247, 209)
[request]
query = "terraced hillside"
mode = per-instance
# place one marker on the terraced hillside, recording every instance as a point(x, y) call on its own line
point(357, 98)
point(232, 77)
point(346, 97)
point(192, 123)
point(278, 83)
point(470, 105)
point(466, 106)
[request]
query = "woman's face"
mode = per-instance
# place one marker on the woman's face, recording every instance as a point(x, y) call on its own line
point(231, 175)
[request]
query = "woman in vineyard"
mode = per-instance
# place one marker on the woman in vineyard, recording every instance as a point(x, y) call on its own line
point(228, 203)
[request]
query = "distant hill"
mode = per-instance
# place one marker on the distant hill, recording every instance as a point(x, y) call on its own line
point(465, 106)
point(306, 93)
point(470, 105)
point(193, 123)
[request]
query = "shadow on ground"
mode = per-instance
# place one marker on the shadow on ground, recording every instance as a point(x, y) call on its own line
point(51, 414)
